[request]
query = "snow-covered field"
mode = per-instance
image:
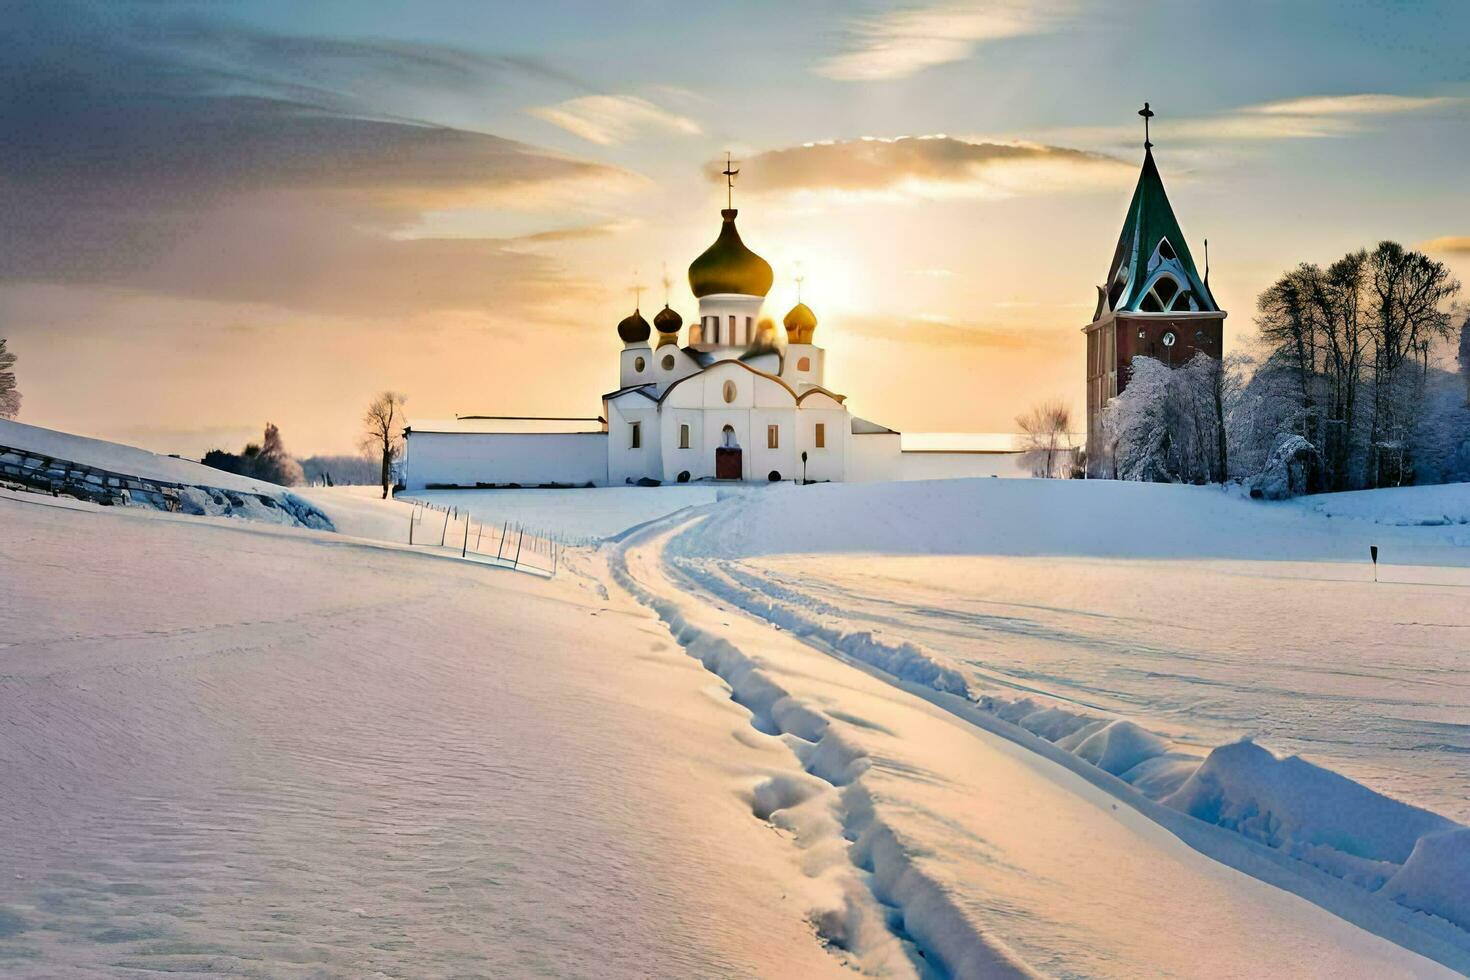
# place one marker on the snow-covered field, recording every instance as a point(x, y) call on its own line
point(967, 728)
point(231, 749)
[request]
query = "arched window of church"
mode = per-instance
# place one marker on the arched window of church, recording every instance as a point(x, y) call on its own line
point(668, 362)
point(1166, 250)
point(804, 364)
point(638, 364)
point(729, 392)
point(731, 339)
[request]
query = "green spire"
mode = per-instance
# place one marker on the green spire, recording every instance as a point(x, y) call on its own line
point(1152, 247)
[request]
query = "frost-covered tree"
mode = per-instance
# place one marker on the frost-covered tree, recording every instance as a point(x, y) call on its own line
point(1464, 356)
point(383, 433)
point(1350, 345)
point(1408, 291)
point(1170, 425)
point(266, 460)
point(9, 394)
point(274, 463)
point(1046, 439)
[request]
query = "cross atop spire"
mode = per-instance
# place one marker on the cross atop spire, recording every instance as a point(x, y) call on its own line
point(637, 290)
point(729, 173)
point(799, 280)
point(1147, 114)
point(667, 284)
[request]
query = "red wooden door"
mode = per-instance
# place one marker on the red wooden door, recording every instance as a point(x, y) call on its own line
point(728, 464)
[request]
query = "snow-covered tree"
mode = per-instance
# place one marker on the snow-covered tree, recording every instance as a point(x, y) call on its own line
point(9, 394)
point(1168, 424)
point(1464, 356)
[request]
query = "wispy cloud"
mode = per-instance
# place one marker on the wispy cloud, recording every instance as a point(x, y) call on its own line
point(1453, 244)
point(906, 168)
point(1307, 117)
point(902, 42)
point(939, 332)
point(608, 119)
point(194, 160)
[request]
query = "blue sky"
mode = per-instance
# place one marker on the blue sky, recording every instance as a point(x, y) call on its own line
point(228, 213)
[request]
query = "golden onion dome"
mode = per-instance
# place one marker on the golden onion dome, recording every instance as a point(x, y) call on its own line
point(800, 324)
point(668, 320)
point(728, 266)
point(634, 329)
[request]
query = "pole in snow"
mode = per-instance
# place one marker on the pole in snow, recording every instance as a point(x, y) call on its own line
point(410, 527)
point(500, 549)
point(478, 531)
point(444, 530)
point(1373, 553)
point(517, 561)
point(465, 548)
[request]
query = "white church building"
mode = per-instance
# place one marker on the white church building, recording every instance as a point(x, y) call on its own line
point(732, 400)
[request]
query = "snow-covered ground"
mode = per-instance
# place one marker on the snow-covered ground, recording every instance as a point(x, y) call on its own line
point(995, 859)
point(969, 728)
point(1147, 673)
point(574, 515)
point(232, 749)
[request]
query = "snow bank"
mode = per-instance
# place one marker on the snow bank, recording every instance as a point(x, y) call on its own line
point(1092, 517)
point(1436, 878)
point(110, 473)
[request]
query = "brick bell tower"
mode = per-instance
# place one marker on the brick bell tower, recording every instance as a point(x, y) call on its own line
point(1154, 303)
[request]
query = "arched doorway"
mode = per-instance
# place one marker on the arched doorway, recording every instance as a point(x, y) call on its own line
point(729, 460)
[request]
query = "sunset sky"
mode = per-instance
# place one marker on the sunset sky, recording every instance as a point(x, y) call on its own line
point(216, 215)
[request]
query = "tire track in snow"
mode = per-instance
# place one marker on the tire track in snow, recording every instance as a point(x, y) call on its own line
point(825, 804)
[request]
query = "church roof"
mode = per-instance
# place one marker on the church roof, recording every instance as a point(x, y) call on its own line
point(728, 266)
point(1151, 245)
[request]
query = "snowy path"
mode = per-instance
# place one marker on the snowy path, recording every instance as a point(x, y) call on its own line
point(992, 858)
point(243, 751)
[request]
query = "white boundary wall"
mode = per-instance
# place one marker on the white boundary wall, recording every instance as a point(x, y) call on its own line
point(465, 459)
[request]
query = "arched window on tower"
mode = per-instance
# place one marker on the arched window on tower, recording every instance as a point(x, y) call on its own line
point(1161, 295)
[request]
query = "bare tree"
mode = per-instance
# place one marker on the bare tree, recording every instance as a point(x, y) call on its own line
point(1046, 438)
point(9, 394)
point(383, 433)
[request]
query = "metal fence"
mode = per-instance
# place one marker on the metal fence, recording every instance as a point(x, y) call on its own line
point(507, 544)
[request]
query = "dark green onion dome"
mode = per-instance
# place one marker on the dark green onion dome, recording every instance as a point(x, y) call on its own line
point(728, 266)
point(668, 320)
point(800, 324)
point(634, 329)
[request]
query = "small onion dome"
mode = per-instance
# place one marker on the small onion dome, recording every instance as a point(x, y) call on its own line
point(634, 329)
point(728, 266)
point(800, 323)
point(668, 320)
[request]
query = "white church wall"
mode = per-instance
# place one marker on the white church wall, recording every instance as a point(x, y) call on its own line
point(698, 458)
point(670, 364)
point(830, 462)
point(626, 461)
point(635, 366)
point(465, 459)
point(760, 459)
point(798, 354)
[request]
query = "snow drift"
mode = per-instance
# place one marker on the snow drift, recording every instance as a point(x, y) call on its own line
point(112, 474)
